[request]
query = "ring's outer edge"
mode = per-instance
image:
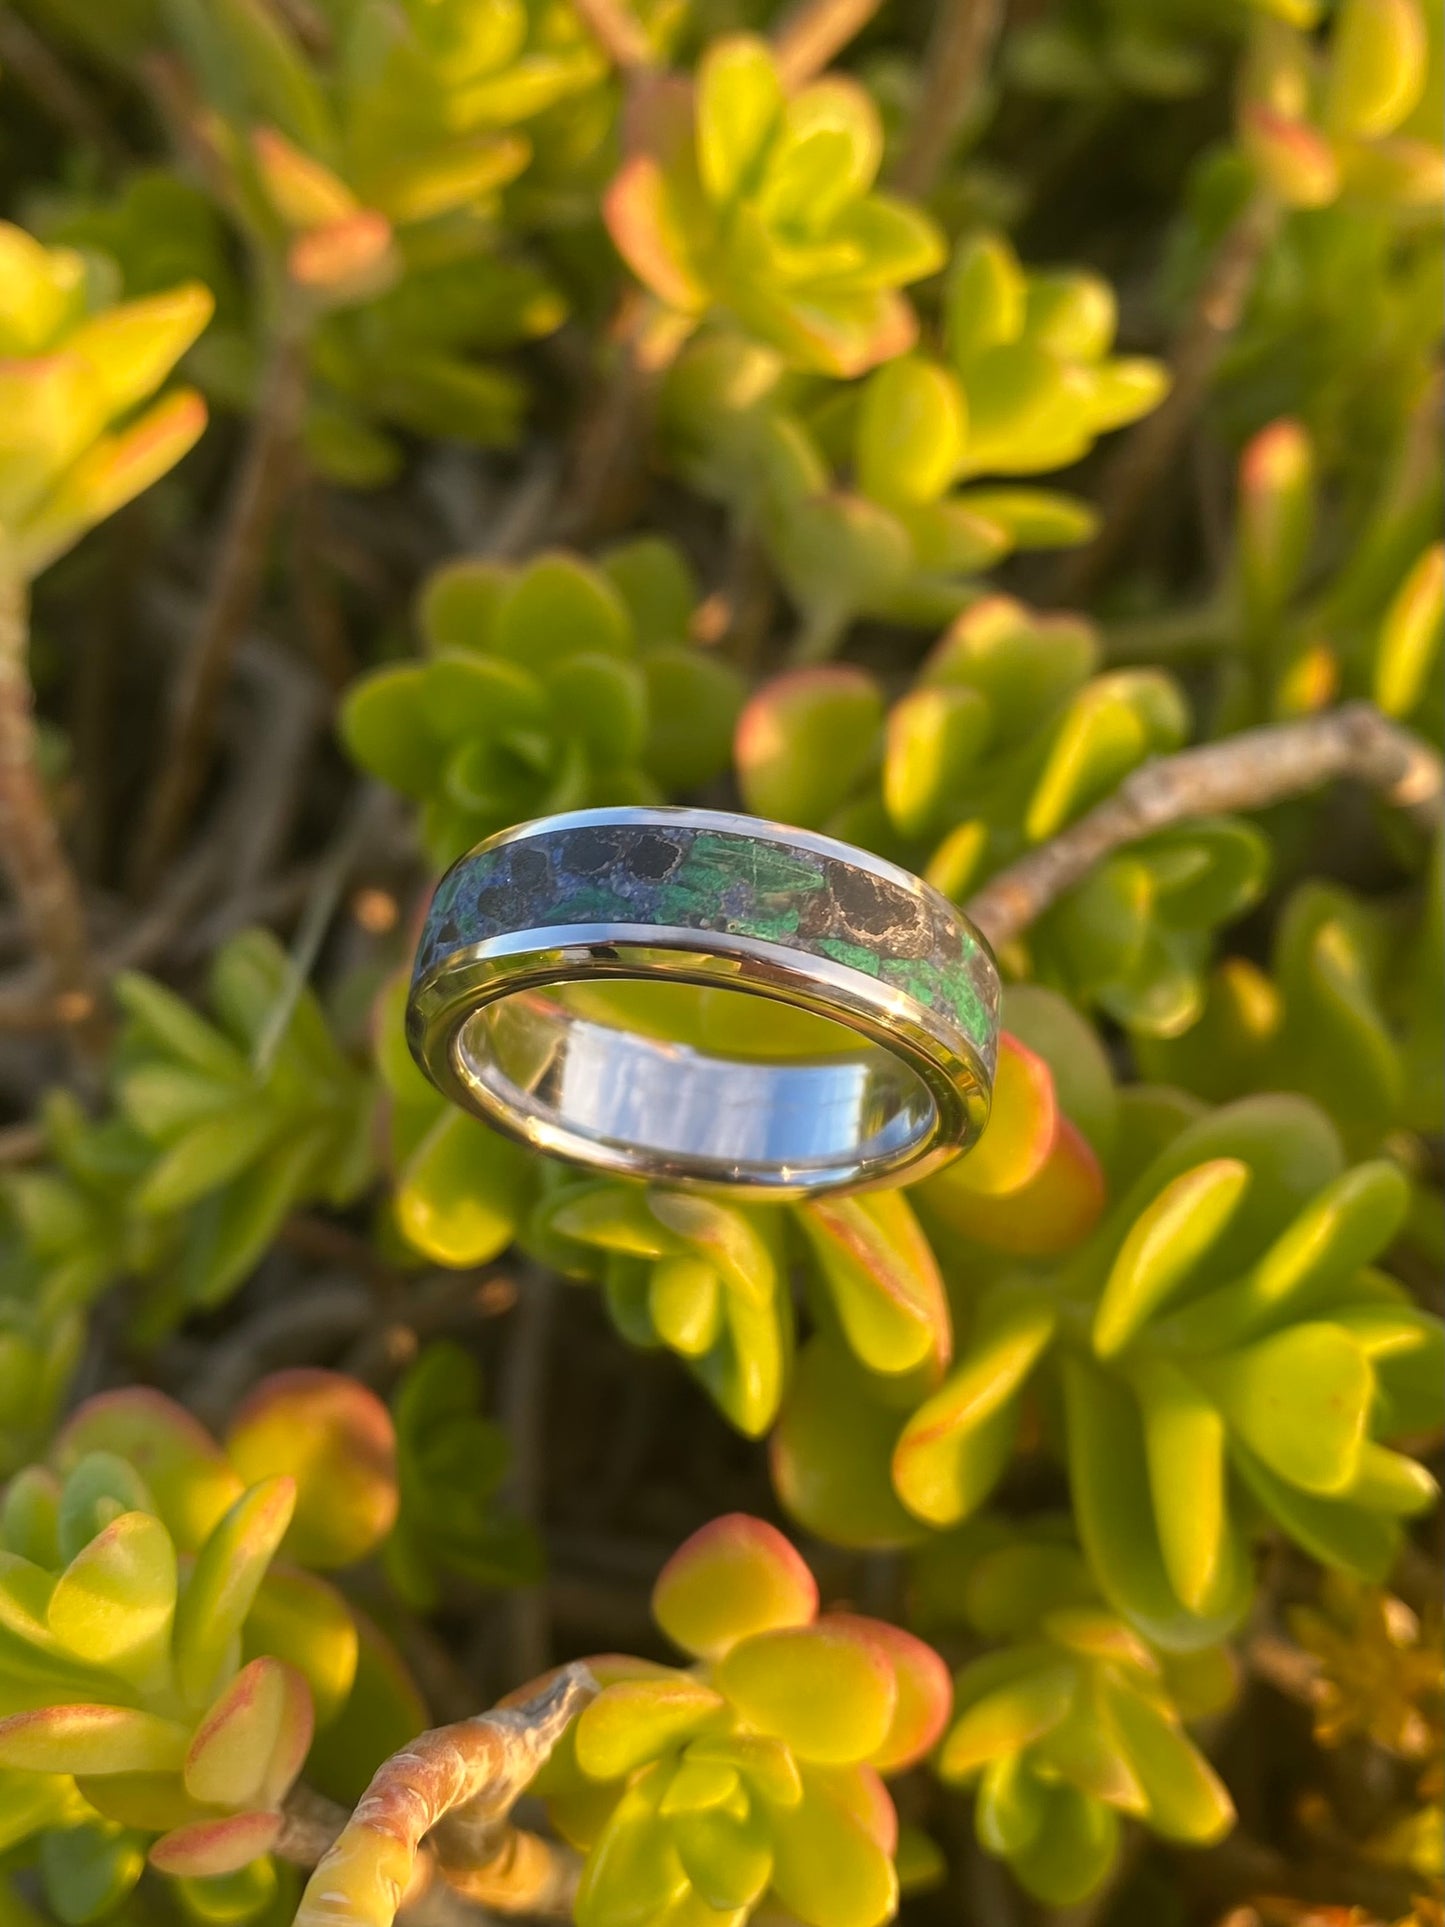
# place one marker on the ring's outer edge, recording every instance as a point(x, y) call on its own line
point(465, 977)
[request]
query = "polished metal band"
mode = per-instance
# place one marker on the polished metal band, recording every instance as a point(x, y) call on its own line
point(706, 898)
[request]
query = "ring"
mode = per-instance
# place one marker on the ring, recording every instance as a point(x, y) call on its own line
point(509, 1011)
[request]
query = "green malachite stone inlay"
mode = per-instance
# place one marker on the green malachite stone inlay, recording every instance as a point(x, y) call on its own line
point(680, 876)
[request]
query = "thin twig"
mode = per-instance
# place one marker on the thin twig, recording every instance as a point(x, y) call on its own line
point(814, 33)
point(737, 617)
point(266, 471)
point(606, 464)
point(457, 1784)
point(1132, 480)
point(324, 1242)
point(524, 1415)
point(96, 690)
point(331, 880)
point(427, 1305)
point(309, 24)
point(1246, 772)
point(240, 839)
point(519, 524)
point(618, 34)
point(1286, 1667)
point(310, 1827)
point(173, 90)
point(295, 1330)
point(31, 849)
point(954, 64)
point(322, 626)
point(287, 711)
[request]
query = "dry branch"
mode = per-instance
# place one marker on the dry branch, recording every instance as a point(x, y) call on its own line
point(235, 587)
point(606, 466)
point(454, 1789)
point(954, 64)
point(1246, 772)
point(814, 33)
point(618, 34)
point(31, 848)
point(523, 1412)
point(1132, 479)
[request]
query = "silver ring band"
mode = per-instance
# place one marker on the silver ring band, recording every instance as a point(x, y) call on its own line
point(530, 918)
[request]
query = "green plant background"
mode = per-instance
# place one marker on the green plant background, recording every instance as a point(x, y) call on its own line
point(417, 416)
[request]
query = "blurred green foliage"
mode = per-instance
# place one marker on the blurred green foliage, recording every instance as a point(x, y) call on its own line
point(546, 688)
point(1071, 1720)
point(170, 1649)
point(77, 367)
point(1179, 1309)
point(1023, 384)
point(737, 202)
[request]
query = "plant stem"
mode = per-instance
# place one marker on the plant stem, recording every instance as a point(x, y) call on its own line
point(1174, 636)
point(31, 848)
point(1245, 772)
point(618, 34)
point(954, 64)
point(1286, 1667)
point(819, 636)
point(814, 33)
point(260, 488)
point(607, 461)
point(457, 1784)
point(309, 24)
point(523, 1412)
point(319, 615)
point(1131, 483)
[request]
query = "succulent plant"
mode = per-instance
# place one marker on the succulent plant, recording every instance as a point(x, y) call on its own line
point(702, 1277)
point(450, 1461)
point(740, 203)
point(1071, 1722)
point(1006, 737)
point(752, 1777)
point(546, 688)
point(460, 1190)
point(1321, 123)
point(230, 1125)
point(1339, 135)
point(832, 338)
point(1292, 626)
point(1220, 1332)
point(77, 369)
point(1237, 1340)
point(1022, 383)
point(1352, 986)
point(169, 1648)
point(66, 1236)
point(215, 1134)
point(372, 184)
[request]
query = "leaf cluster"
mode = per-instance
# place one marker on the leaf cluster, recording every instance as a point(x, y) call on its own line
point(1009, 734)
point(78, 368)
point(1022, 382)
point(1164, 1290)
point(169, 1653)
point(545, 688)
point(753, 1777)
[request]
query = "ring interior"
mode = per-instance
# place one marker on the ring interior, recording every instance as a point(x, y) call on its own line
point(567, 1079)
